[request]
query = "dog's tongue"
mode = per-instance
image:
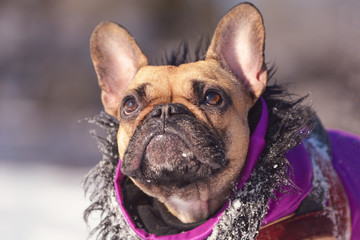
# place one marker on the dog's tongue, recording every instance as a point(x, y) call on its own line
point(166, 151)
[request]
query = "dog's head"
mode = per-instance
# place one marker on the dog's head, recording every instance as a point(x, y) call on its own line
point(183, 135)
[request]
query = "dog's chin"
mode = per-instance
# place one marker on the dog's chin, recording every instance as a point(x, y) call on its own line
point(190, 194)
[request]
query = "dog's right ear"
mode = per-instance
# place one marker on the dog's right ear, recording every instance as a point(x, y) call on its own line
point(117, 58)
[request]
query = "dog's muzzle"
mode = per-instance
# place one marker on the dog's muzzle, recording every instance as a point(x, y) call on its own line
point(172, 145)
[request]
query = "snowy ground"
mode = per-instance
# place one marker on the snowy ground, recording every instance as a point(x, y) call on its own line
point(41, 202)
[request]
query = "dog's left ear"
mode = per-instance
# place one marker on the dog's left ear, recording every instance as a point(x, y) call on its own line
point(238, 44)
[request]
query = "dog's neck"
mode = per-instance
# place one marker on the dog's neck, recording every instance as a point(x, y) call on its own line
point(194, 211)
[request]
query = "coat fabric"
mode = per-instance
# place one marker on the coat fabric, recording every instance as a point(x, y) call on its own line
point(281, 178)
point(345, 150)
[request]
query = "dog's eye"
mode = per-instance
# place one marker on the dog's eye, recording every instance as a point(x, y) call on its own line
point(213, 98)
point(130, 105)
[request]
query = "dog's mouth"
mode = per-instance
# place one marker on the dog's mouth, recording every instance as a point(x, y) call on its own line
point(169, 160)
point(174, 157)
point(168, 152)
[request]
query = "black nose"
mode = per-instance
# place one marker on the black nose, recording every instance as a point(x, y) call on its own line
point(166, 111)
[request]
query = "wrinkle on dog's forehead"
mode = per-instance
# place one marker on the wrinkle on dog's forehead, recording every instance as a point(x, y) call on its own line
point(169, 82)
point(210, 72)
point(157, 80)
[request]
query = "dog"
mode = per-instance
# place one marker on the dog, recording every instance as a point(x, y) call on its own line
point(208, 149)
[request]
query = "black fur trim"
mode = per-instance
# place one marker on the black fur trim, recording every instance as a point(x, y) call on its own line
point(182, 53)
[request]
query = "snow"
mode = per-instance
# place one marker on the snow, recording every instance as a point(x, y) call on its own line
point(41, 202)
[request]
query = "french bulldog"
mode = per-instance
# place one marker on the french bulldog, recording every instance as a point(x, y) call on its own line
point(183, 132)
point(209, 150)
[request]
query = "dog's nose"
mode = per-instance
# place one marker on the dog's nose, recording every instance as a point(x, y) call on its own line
point(165, 111)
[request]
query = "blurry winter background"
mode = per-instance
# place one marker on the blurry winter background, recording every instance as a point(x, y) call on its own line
point(47, 84)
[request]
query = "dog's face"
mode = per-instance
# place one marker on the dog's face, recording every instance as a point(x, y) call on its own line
point(183, 135)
